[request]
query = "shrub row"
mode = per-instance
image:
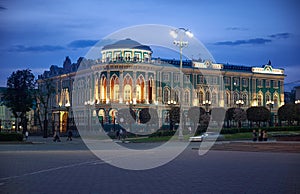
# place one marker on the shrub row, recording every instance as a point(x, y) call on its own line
point(241, 130)
point(11, 137)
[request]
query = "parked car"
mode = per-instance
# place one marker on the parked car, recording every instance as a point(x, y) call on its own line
point(208, 136)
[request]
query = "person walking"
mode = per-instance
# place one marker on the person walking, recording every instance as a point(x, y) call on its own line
point(70, 134)
point(26, 135)
point(56, 136)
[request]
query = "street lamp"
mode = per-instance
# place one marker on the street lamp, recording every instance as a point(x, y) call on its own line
point(270, 104)
point(240, 103)
point(67, 105)
point(297, 102)
point(180, 33)
point(206, 103)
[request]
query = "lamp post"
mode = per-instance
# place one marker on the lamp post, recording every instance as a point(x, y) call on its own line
point(67, 105)
point(206, 103)
point(270, 104)
point(239, 103)
point(180, 33)
point(17, 121)
point(297, 102)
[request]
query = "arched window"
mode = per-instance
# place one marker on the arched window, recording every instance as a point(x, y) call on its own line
point(176, 96)
point(140, 89)
point(268, 97)
point(186, 97)
point(200, 96)
point(275, 98)
point(260, 99)
point(214, 98)
point(166, 95)
point(245, 98)
point(103, 85)
point(127, 93)
point(114, 88)
point(207, 95)
point(227, 99)
point(235, 97)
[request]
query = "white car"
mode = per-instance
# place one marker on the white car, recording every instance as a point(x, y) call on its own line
point(208, 136)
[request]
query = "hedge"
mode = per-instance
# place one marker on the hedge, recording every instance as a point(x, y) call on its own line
point(241, 130)
point(11, 137)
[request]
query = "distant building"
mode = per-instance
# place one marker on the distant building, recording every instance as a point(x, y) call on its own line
point(297, 93)
point(126, 74)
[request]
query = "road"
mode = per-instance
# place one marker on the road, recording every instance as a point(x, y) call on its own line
point(69, 167)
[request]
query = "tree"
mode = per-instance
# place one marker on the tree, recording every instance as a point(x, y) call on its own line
point(148, 116)
point(218, 115)
point(194, 114)
point(287, 112)
point(174, 116)
point(239, 116)
point(19, 96)
point(229, 116)
point(258, 114)
point(43, 96)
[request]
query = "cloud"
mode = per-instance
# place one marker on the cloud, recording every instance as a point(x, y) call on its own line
point(82, 43)
point(2, 8)
point(280, 35)
point(42, 48)
point(237, 28)
point(254, 41)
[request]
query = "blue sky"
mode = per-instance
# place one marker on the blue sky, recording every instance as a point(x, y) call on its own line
point(36, 34)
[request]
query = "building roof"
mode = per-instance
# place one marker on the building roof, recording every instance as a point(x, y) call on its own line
point(127, 44)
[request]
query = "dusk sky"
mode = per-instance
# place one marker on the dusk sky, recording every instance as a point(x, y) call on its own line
point(36, 34)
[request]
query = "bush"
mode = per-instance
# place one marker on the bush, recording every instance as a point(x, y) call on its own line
point(242, 130)
point(160, 133)
point(11, 137)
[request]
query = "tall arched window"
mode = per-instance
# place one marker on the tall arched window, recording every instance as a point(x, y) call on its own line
point(260, 99)
point(227, 99)
point(200, 96)
point(127, 88)
point(114, 88)
point(140, 83)
point(214, 98)
point(235, 97)
point(127, 93)
point(275, 98)
point(186, 97)
point(176, 96)
point(245, 98)
point(103, 85)
point(166, 95)
point(268, 97)
point(207, 95)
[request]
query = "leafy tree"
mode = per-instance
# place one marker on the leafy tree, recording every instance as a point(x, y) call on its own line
point(229, 116)
point(19, 96)
point(258, 114)
point(297, 113)
point(148, 116)
point(287, 112)
point(174, 116)
point(218, 115)
point(239, 116)
point(194, 114)
point(43, 95)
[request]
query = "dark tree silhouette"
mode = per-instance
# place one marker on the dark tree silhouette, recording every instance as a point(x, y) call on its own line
point(194, 114)
point(174, 116)
point(43, 95)
point(258, 114)
point(218, 115)
point(229, 116)
point(126, 116)
point(19, 96)
point(239, 116)
point(287, 112)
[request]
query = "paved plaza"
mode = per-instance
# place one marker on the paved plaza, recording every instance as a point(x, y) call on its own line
point(69, 167)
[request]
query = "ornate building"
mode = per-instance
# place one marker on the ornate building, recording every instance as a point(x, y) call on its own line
point(127, 75)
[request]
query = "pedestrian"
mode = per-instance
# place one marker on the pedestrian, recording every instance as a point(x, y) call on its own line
point(121, 134)
point(265, 135)
point(56, 136)
point(26, 135)
point(70, 134)
point(254, 135)
point(260, 135)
